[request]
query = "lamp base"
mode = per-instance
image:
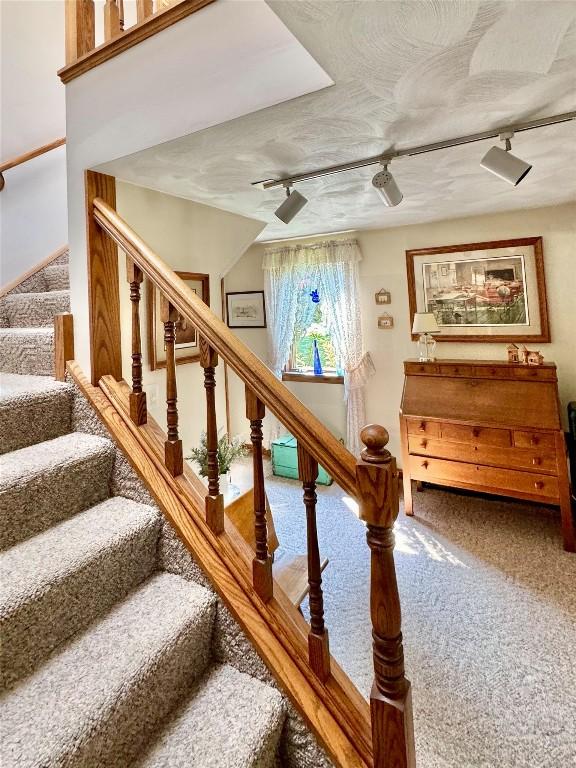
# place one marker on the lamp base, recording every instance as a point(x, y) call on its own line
point(426, 347)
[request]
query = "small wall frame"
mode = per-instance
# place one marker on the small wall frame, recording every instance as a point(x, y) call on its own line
point(385, 321)
point(383, 297)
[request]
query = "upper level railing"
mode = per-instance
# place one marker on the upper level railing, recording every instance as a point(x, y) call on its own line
point(84, 52)
point(372, 479)
point(23, 158)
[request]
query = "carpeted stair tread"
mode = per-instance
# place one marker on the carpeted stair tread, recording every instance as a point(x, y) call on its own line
point(32, 409)
point(27, 351)
point(53, 584)
point(45, 483)
point(34, 310)
point(57, 277)
point(96, 700)
point(230, 720)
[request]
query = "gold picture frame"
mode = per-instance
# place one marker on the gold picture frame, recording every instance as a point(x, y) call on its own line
point(186, 347)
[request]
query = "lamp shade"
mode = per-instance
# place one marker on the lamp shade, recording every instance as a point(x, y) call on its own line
point(424, 322)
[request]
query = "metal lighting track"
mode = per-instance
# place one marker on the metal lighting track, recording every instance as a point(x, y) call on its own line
point(387, 156)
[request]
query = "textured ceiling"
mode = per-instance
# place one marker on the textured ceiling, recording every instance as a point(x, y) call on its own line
point(405, 73)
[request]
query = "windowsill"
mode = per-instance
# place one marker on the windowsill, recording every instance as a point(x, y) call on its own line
point(323, 378)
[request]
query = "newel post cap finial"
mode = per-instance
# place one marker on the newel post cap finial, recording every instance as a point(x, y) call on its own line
point(375, 438)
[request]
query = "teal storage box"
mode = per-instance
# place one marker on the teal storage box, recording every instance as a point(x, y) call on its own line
point(285, 460)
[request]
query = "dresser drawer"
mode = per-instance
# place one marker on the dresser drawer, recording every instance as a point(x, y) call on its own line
point(541, 440)
point(492, 372)
point(423, 427)
point(461, 433)
point(535, 372)
point(495, 479)
point(495, 456)
point(429, 368)
point(455, 369)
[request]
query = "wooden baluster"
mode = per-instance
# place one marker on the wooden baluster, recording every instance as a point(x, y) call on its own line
point(391, 698)
point(63, 344)
point(262, 563)
point(214, 499)
point(111, 20)
point(173, 445)
point(143, 10)
point(121, 14)
point(318, 647)
point(137, 396)
point(79, 28)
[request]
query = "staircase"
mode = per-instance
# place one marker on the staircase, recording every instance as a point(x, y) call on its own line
point(107, 660)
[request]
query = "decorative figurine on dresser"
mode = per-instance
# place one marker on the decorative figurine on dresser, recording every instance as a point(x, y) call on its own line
point(486, 426)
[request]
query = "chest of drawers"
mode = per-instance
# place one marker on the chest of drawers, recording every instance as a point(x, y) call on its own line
point(486, 426)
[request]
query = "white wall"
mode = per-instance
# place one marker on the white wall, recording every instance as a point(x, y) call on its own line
point(188, 77)
point(33, 217)
point(384, 266)
point(192, 238)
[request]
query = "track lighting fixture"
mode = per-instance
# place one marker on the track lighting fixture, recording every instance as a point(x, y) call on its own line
point(291, 206)
point(385, 184)
point(502, 163)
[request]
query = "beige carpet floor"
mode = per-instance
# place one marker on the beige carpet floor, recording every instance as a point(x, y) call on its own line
point(489, 618)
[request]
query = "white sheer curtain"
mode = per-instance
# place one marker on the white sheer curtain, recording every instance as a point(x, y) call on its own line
point(332, 268)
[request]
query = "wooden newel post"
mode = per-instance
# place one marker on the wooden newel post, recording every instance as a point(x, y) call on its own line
point(214, 499)
point(137, 398)
point(173, 445)
point(262, 563)
point(391, 698)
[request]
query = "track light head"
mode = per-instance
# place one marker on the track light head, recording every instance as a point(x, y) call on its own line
point(291, 206)
point(505, 165)
point(385, 184)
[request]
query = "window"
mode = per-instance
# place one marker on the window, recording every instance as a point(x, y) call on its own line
point(312, 328)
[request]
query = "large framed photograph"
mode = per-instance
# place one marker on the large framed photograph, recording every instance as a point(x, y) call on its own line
point(186, 346)
point(246, 309)
point(493, 291)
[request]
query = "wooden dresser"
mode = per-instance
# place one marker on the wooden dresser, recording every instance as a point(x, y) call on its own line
point(487, 426)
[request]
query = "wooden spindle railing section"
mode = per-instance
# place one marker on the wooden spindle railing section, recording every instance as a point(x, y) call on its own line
point(372, 480)
point(391, 698)
point(173, 445)
point(83, 51)
point(214, 499)
point(318, 647)
point(262, 563)
point(138, 412)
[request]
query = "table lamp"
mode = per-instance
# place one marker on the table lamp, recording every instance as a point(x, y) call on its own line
point(425, 324)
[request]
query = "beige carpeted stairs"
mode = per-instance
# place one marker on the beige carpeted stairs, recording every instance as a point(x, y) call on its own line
point(107, 658)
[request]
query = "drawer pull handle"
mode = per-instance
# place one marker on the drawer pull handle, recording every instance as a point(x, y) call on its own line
point(422, 426)
point(534, 440)
point(536, 461)
point(425, 464)
point(424, 443)
point(475, 432)
point(539, 485)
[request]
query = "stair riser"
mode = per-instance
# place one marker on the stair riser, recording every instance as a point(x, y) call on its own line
point(39, 418)
point(33, 629)
point(34, 310)
point(57, 278)
point(41, 501)
point(27, 353)
point(138, 710)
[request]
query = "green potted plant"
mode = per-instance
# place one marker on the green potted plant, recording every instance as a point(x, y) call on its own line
point(227, 452)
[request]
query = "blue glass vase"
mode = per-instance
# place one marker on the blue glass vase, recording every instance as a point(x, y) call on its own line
point(317, 364)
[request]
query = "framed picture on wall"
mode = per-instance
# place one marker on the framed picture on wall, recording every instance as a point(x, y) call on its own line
point(186, 346)
point(246, 309)
point(493, 291)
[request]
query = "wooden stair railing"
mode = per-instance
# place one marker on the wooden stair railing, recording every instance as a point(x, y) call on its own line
point(372, 480)
point(152, 16)
point(23, 158)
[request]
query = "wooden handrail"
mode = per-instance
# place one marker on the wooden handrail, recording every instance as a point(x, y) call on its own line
point(305, 427)
point(372, 479)
point(19, 159)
